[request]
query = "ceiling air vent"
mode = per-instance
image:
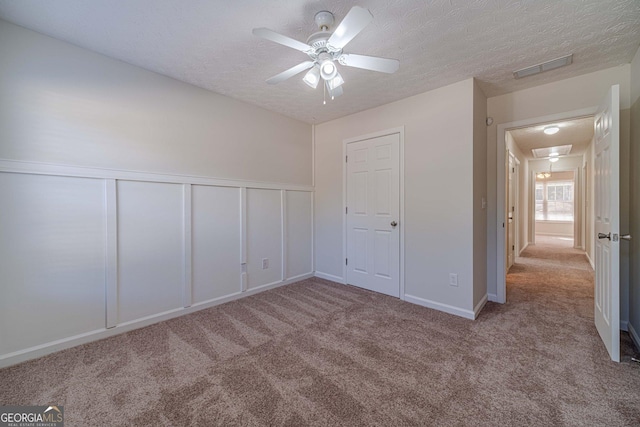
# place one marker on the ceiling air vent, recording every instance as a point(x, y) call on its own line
point(545, 66)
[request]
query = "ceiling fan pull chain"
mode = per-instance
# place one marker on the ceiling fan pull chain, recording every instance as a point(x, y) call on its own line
point(324, 94)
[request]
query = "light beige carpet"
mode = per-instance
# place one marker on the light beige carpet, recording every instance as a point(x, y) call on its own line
point(319, 353)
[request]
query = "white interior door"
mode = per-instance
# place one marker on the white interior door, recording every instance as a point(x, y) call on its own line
point(373, 208)
point(511, 210)
point(607, 220)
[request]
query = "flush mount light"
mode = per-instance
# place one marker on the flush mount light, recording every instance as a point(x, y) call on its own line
point(551, 130)
point(545, 66)
point(312, 77)
point(554, 159)
point(553, 154)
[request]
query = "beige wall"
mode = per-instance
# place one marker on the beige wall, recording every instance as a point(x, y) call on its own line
point(439, 228)
point(563, 96)
point(66, 105)
point(634, 191)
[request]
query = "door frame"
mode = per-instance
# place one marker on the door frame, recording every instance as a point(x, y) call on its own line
point(397, 130)
point(516, 212)
point(501, 279)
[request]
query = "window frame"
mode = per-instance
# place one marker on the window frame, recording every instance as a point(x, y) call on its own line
point(546, 200)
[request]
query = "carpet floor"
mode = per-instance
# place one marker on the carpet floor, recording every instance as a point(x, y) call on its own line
point(320, 353)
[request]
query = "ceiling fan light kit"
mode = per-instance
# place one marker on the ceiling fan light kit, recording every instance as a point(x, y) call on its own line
point(324, 49)
point(312, 77)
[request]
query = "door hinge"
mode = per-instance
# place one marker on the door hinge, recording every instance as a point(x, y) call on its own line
point(346, 159)
point(513, 208)
point(513, 170)
point(346, 210)
point(503, 225)
point(513, 247)
point(346, 261)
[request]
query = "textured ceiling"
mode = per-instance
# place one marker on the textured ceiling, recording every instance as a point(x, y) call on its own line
point(209, 43)
point(577, 133)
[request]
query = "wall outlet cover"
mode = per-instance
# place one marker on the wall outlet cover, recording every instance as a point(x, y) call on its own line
point(453, 279)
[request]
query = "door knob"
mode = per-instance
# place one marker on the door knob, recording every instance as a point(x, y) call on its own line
point(626, 236)
point(393, 223)
point(604, 236)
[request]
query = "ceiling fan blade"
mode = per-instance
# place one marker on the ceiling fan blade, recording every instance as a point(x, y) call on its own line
point(267, 34)
point(355, 21)
point(372, 63)
point(335, 92)
point(290, 72)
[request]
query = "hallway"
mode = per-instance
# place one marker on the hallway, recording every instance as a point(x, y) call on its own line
point(557, 282)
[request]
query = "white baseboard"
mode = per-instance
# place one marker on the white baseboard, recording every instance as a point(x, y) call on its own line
point(624, 325)
point(492, 297)
point(634, 336)
point(331, 277)
point(593, 266)
point(457, 311)
point(522, 250)
point(53, 346)
point(478, 308)
point(299, 277)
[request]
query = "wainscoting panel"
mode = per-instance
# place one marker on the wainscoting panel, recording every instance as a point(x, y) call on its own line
point(216, 236)
point(52, 252)
point(298, 233)
point(264, 237)
point(150, 253)
point(88, 253)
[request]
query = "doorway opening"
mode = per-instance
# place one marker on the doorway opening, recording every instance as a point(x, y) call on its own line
point(545, 174)
point(528, 134)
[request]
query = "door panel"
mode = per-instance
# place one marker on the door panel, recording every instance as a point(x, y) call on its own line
point(607, 250)
point(373, 204)
point(510, 213)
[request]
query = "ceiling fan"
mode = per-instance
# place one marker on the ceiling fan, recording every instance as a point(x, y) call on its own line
point(324, 48)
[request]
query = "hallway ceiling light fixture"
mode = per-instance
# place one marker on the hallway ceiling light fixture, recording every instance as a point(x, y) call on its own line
point(545, 175)
point(551, 130)
point(553, 159)
point(553, 154)
point(544, 66)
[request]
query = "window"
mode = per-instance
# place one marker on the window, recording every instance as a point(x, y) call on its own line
point(554, 201)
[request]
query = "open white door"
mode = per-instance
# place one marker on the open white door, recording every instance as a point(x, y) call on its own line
point(607, 221)
point(373, 205)
point(511, 211)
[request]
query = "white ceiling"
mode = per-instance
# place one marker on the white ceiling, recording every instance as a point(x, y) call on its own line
point(209, 43)
point(577, 133)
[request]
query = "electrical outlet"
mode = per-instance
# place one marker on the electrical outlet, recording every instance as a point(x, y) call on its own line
point(453, 279)
point(265, 263)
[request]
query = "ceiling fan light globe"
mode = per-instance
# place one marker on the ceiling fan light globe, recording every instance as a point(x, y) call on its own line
point(312, 77)
point(328, 70)
point(335, 82)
